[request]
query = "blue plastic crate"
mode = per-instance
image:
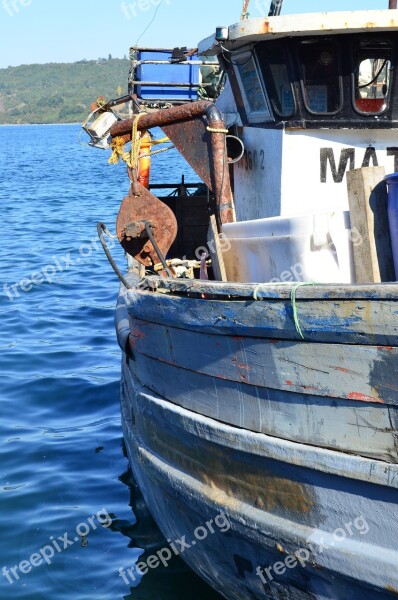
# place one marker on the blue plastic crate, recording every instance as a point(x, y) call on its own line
point(172, 73)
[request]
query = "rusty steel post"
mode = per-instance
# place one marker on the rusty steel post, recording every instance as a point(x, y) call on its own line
point(392, 4)
point(220, 168)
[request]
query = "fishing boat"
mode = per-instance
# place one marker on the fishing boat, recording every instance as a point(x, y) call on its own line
point(258, 315)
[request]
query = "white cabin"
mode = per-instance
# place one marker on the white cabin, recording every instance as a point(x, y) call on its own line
point(311, 96)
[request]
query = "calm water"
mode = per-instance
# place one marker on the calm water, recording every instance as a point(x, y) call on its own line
point(62, 458)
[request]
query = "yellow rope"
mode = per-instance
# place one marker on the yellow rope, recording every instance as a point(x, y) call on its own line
point(161, 141)
point(135, 142)
point(213, 130)
point(131, 158)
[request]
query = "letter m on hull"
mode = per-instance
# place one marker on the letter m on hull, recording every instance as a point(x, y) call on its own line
point(347, 159)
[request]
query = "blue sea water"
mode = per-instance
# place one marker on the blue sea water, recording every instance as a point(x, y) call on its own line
point(62, 460)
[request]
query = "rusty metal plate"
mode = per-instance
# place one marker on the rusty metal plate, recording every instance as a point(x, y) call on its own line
point(145, 207)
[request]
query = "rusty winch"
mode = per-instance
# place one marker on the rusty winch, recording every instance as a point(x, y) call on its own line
point(146, 227)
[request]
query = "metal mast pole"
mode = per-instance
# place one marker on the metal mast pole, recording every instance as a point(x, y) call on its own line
point(275, 8)
point(244, 10)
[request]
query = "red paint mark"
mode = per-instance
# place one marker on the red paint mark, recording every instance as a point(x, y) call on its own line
point(341, 369)
point(288, 382)
point(363, 398)
point(386, 348)
point(137, 333)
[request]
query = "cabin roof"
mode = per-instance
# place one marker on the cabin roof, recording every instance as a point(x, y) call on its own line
point(331, 23)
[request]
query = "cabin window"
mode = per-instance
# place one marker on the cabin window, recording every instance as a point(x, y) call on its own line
point(273, 60)
point(372, 77)
point(320, 76)
point(256, 103)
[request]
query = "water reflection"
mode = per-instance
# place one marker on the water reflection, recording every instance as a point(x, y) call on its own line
point(175, 582)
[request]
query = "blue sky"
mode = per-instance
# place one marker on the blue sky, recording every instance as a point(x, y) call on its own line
point(39, 31)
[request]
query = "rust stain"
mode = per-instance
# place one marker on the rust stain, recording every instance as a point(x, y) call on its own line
point(266, 27)
point(392, 589)
point(222, 474)
point(137, 333)
point(244, 366)
point(134, 336)
point(389, 348)
point(288, 382)
point(364, 398)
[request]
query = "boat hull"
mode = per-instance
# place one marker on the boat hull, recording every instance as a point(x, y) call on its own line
point(285, 503)
point(256, 426)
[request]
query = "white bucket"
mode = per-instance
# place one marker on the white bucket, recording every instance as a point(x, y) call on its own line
point(313, 247)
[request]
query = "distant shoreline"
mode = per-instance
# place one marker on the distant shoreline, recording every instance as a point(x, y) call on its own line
point(35, 124)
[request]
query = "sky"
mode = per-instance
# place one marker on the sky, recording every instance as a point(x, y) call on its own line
point(40, 31)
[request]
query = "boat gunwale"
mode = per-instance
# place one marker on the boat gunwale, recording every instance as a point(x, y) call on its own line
point(217, 290)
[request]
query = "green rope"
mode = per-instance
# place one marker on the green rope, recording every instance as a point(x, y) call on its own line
point(294, 304)
point(258, 289)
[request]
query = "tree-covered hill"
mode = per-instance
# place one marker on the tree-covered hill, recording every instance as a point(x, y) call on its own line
point(59, 93)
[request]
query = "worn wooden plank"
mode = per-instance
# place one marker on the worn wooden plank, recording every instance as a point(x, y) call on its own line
point(360, 428)
point(367, 197)
point(353, 372)
point(342, 321)
point(251, 291)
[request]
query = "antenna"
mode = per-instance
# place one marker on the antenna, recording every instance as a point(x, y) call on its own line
point(276, 6)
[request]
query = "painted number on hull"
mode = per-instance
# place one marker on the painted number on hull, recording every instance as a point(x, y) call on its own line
point(252, 160)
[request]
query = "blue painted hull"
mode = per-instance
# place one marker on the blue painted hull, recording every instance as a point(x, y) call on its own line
point(302, 462)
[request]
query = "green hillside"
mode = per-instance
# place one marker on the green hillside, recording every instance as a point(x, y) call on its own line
point(59, 93)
